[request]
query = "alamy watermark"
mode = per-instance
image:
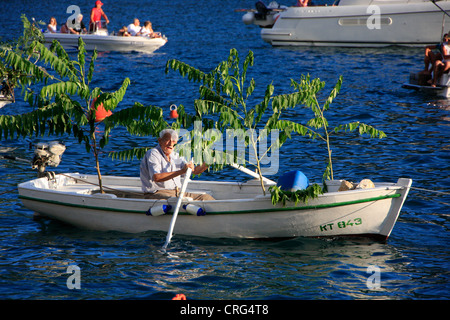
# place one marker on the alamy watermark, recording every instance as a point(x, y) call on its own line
point(374, 280)
point(374, 21)
point(74, 280)
point(73, 20)
point(235, 146)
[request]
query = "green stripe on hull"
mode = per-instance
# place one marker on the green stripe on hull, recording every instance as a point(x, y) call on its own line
point(319, 206)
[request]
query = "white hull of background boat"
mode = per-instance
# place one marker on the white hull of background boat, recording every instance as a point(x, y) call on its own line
point(4, 102)
point(361, 23)
point(418, 83)
point(240, 211)
point(106, 42)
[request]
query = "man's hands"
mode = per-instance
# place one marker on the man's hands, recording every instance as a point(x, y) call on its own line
point(195, 169)
point(188, 165)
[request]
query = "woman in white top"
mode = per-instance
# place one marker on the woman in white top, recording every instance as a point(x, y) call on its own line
point(147, 31)
point(51, 27)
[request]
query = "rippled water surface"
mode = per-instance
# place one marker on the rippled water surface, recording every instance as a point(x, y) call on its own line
point(414, 263)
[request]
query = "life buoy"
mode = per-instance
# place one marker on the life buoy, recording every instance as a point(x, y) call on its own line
point(101, 113)
point(173, 112)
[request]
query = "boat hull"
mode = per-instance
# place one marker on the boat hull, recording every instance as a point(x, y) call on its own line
point(419, 83)
point(404, 24)
point(106, 42)
point(361, 213)
point(4, 102)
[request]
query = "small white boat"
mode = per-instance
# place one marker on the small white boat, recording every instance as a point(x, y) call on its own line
point(102, 41)
point(239, 211)
point(361, 23)
point(5, 95)
point(418, 82)
point(4, 101)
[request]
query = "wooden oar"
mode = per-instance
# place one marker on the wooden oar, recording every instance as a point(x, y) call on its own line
point(13, 158)
point(177, 208)
point(251, 173)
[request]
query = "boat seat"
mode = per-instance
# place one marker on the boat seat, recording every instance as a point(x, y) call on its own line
point(199, 191)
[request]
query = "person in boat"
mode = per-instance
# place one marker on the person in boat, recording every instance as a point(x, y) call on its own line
point(52, 25)
point(147, 31)
point(96, 15)
point(302, 3)
point(124, 32)
point(441, 67)
point(78, 27)
point(134, 28)
point(431, 57)
point(64, 28)
point(161, 170)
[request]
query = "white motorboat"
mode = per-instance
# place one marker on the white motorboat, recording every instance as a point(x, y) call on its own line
point(361, 23)
point(418, 81)
point(239, 211)
point(103, 41)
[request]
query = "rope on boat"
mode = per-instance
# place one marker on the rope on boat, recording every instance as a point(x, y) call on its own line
point(422, 189)
point(13, 190)
point(445, 12)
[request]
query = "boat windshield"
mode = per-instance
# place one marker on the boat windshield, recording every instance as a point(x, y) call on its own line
point(99, 27)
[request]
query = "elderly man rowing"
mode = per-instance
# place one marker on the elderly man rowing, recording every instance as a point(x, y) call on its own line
point(161, 170)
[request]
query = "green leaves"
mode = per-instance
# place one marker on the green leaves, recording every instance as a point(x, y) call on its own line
point(318, 127)
point(362, 129)
point(224, 97)
point(64, 103)
point(277, 195)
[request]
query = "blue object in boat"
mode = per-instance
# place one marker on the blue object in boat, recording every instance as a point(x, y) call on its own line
point(293, 181)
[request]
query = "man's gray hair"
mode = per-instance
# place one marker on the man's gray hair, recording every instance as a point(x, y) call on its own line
point(173, 134)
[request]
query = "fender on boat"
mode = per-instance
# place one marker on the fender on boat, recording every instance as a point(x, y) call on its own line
point(194, 210)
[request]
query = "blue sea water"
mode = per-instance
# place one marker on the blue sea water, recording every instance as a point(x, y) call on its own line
point(413, 263)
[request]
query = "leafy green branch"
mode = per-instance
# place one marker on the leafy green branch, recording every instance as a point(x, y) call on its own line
point(279, 195)
point(224, 94)
point(320, 122)
point(65, 103)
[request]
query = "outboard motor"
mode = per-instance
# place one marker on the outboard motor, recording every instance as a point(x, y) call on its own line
point(262, 11)
point(47, 155)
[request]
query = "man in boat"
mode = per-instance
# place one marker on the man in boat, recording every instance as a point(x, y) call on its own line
point(77, 25)
point(96, 15)
point(302, 3)
point(134, 28)
point(161, 170)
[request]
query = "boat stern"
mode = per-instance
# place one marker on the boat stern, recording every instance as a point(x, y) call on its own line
point(418, 81)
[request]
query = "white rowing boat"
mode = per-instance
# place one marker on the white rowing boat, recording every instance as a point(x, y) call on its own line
point(239, 211)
